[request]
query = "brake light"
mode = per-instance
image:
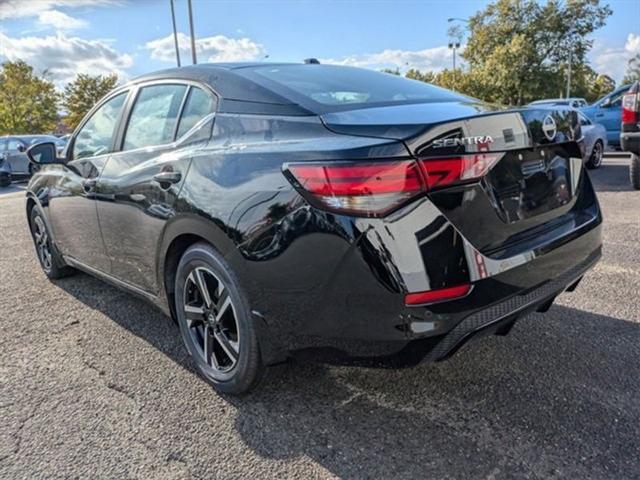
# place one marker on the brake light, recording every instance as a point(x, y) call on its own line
point(376, 188)
point(448, 171)
point(363, 188)
point(438, 295)
point(631, 105)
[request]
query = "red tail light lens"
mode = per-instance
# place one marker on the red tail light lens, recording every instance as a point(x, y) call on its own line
point(438, 295)
point(443, 172)
point(370, 189)
point(376, 188)
point(630, 108)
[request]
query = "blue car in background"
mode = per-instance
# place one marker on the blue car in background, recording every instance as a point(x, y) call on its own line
point(607, 111)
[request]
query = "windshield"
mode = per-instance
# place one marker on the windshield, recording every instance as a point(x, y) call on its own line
point(334, 87)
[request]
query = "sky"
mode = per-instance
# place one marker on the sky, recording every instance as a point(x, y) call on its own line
point(132, 37)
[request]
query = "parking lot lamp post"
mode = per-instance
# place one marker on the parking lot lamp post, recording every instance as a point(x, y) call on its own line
point(175, 32)
point(193, 37)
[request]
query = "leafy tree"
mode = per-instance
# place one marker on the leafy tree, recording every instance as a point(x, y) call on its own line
point(633, 70)
point(83, 93)
point(391, 71)
point(28, 103)
point(519, 49)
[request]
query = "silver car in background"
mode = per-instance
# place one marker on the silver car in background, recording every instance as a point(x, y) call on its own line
point(593, 143)
point(575, 102)
point(13, 159)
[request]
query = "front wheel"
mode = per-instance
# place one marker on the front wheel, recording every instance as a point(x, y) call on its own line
point(595, 160)
point(634, 171)
point(215, 321)
point(50, 259)
point(5, 181)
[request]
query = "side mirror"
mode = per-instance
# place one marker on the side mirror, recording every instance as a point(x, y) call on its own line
point(22, 148)
point(606, 103)
point(43, 153)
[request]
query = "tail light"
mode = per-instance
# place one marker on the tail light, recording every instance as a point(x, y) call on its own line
point(375, 188)
point(631, 105)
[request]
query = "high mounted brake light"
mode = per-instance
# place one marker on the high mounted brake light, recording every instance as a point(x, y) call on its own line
point(375, 188)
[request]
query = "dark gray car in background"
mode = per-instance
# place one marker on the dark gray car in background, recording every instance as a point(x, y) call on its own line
point(13, 159)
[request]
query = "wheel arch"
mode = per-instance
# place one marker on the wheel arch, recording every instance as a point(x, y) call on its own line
point(180, 234)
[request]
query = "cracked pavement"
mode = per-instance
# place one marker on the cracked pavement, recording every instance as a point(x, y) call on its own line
point(95, 383)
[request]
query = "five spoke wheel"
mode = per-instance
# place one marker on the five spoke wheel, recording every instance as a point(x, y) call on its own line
point(211, 319)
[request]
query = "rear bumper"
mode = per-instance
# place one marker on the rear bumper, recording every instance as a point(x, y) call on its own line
point(630, 142)
point(342, 301)
point(434, 333)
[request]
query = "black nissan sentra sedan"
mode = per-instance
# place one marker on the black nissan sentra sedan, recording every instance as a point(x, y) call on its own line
point(279, 209)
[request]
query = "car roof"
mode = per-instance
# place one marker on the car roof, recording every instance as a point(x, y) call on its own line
point(27, 138)
point(557, 100)
point(234, 90)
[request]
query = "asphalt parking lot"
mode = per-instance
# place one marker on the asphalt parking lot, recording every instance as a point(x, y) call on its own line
point(95, 383)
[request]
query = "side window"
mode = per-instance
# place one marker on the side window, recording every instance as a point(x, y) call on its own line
point(617, 100)
point(96, 136)
point(14, 143)
point(154, 116)
point(199, 105)
point(3, 144)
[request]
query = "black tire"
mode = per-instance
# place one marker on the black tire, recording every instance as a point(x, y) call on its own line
point(595, 159)
point(217, 326)
point(634, 171)
point(5, 181)
point(50, 259)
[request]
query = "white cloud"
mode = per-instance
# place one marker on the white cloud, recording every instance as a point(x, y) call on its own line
point(436, 59)
point(33, 8)
point(209, 49)
point(59, 20)
point(63, 57)
point(613, 61)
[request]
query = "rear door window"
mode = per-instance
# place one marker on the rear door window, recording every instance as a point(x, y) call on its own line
point(199, 104)
point(154, 116)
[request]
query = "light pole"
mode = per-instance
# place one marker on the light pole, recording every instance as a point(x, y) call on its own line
point(175, 32)
point(456, 35)
point(454, 46)
point(193, 37)
point(569, 75)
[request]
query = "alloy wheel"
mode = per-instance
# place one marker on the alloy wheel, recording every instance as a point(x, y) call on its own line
point(211, 320)
point(42, 243)
point(596, 155)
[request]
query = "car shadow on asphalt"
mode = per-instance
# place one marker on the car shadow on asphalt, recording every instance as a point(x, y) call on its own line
point(558, 395)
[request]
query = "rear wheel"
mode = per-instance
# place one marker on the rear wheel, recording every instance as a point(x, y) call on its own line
point(50, 259)
point(634, 171)
point(595, 160)
point(215, 321)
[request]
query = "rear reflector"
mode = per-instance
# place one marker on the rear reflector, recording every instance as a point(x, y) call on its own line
point(375, 188)
point(438, 295)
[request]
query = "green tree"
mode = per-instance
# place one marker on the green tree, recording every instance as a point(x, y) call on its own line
point(83, 93)
point(519, 49)
point(633, 70)
point(28, 103)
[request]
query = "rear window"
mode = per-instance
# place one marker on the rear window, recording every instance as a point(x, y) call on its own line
point(335, 87)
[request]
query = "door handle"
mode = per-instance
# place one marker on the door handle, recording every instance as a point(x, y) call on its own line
point(165, 179)
point(599, 114)
point(89, 184)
